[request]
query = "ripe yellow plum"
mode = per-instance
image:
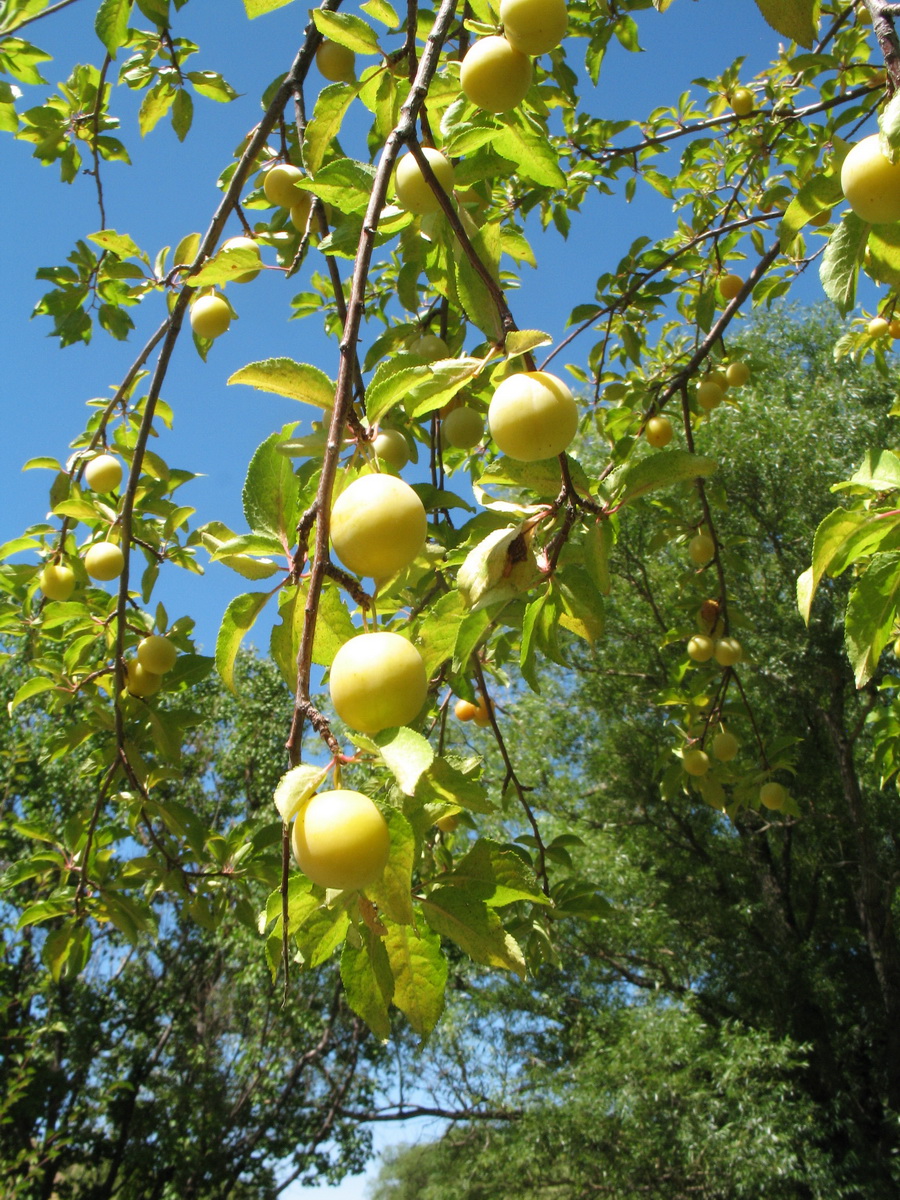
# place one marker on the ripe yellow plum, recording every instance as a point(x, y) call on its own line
point(773, 795)
point(658, 431)
point(429, 347)
point(533, 415)
point(730, 285)
point(701, 648)
point(341, 840)
point(377, 680)
point(878, 327)
point(57, 581)
point(871, 182)
point(278, 184)
point(709, 394)
point(737, 374)
point(103, 473)
point(534, 26)
point(725, 746)
point(336, 62)
point(413, 192)
point(728, 651)
point(300, 210)
point(156, 654)
point(463, 427)
point(494, 75)
point(378, 526)
point(104, 561)
point(702, 549)
point(244, 243)
point(695, 761)
point(139, 681)
point(210, 316)
point(465, 710)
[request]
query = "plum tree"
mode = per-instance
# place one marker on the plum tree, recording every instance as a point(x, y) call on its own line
point(533, 415)
point(377, 680)
point(103, 473)
point(871, 182)
point(378, 526)
point(341, 840)
point(494, 75)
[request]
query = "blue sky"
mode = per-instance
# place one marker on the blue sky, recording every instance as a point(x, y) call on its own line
point(171, 191)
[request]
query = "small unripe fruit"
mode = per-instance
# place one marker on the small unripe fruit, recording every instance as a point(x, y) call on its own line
point(377, 681)
point(725, 746)
point(878, 327)
point(728, 651)
point(701, 648)
point(57, 581)
point(392, 447)
point(336, 62)
point(104, 561)
point(139, 681)
point(658, 432)
point(709, 394)
point(773, 795)
point(210, 317)
point(871, 182)
point(534, 26)
point(103, 473)
point(495, 76)
point(413, 192)
point(463, 428)
point(278, 184)
point(378, 526)
point(300, 210)
point(730, 285)
point(702, 549)
point(742, 102)
point(243, 243)
point(429, 347)
point(157, 654)
point(341, 840)
point(533, 415)
point(737, 374)
point(695, 761)
point(447, 824)
point(821, 218)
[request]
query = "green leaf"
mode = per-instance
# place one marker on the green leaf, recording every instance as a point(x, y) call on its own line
point(582, 604)
point(211, 85)
point(501, 567)
point(111, 24)
point(474, 927)
point(271, 492)
point(32, 687)
point(344, 183)
point(391, 892)
point(154, 106)
point(119, 244)
point(437, 634)
point(524, 142)
point(320, 934)
point(384, 392)
point(842, 537)
point(443, 783)
point(496, 875)
point(368, 982)
point(796, 19)
point(182, 114)
point(381, 10)
point(817, 195)
point(883, 257)
point(473, 293)
point(406, 754)
point(331, 106)
point(523, 341)
point(295, 787)
point(347, 30)
point(284, 377)
point(239, 617)
point(420, 975)
point(334, 626)
point(66, 951)
point(225, 266)
point(663, 469)
point(258, 8)
point(840, 263)
point(598, 543)
point(880, 472)
point(871, 614)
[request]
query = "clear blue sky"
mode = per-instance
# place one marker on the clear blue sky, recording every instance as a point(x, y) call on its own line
point(170, 191)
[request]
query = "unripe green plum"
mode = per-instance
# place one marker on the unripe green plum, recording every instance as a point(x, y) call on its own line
point(742, 102)
point(392, 447)
point(725, 746)
point(773, 795)
point(730, 285)
point(709, 394)
point(728, 651)
point(737, 374)
point(495, 76)
point(157, 654)
point(278, 184)
point(57, 581)
point(210, 317)
point(413, 192)
point(429, 347)
point(139, 681)
point(448, 823)
point(534, 26)
point(701, 648)
point(104, 561)
point(871, 182)
point(702, 549)
point(463, 428)
point(336, 62)
point(103, 473)
point(340, 840)
point(658, 431)
point(695, 761)
point(533, 415)
point(243, 243)
point(378, 526)
point(377, 680)
point(300, 210)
